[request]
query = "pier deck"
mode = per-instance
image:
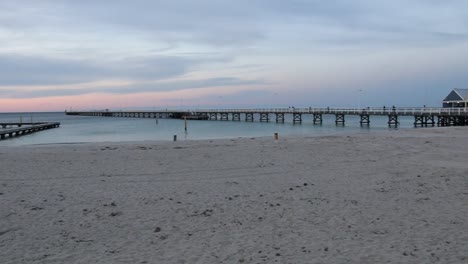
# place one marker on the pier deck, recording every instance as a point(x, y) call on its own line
point(422, 116)
point(10, 130)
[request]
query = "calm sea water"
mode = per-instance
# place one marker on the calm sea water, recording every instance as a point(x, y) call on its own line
point(75, 129)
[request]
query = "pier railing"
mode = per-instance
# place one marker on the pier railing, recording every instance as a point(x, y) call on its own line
point(309, 110)
point(355, 111)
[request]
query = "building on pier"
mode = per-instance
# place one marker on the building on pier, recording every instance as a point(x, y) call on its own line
point(456, 98)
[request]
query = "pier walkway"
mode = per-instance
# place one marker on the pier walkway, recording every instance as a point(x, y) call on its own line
point(9, 130)
point(422, 116)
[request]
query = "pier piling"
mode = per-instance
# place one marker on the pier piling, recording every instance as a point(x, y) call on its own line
point(213, 116)
point(393, 119)
point(235, 117)
point(264, 117)
point(224, 116)
point(297, 118)
point(339, 119)
point(365, 119)
point(279, 117)
point(317, 118)
point(249, 117)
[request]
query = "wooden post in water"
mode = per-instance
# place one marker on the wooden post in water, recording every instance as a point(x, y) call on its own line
point(175, 137)
point(185, 123)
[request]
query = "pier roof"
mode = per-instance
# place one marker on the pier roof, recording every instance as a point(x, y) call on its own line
point(457, 95)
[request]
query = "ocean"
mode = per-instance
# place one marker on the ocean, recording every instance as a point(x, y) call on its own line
point(75, 129)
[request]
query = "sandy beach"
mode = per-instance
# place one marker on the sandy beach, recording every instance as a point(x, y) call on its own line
point(390, 197)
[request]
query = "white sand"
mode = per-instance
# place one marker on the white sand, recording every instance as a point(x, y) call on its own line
point(394, 197)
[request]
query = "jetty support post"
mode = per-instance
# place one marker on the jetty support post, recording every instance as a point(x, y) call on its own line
point(418, 120)
point(249, 117)
point(365, 119)
point(451, 120)
point(213, 116)
point(459, 120)
point(393, 120)
point(279, 117)
point(264, 117)
point(339, 119)
point(442, 121)
point(235, 116)
point(224, 117)
point(317, 118)
point(297, 118)
point(429, 120)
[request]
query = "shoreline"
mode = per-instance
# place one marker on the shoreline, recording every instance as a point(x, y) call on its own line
point(303, 136)
point(397, 196)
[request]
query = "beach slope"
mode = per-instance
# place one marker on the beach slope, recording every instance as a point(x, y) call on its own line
point(393, 197)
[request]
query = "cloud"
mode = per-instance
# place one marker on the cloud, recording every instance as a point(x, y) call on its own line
point(218, 23)
point(244, 23)
point(229, 26)
point(130, 88)
point(30, 70)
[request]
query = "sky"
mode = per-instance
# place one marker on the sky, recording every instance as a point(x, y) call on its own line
point(150, 54)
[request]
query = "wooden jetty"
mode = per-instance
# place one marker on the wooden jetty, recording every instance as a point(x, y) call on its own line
point(422, 116)
point(10, 130)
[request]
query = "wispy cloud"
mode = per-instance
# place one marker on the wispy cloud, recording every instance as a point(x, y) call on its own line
point(33, 70)
point(132, 88)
